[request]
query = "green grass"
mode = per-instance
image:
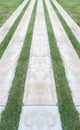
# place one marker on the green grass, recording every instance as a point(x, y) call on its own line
point(68, 113)
point(73, 8)
point(11, 115)
point(71, 36)
point(7, 7)
point(9, 35)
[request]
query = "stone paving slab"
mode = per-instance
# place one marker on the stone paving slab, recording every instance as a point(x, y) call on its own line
point(11, 55)
point(40, 85)
point(8, 24)
point(40, 118)
point(73, 26)
point(70, 59)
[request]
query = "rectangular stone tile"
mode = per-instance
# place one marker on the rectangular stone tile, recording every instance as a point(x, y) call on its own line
point(40, 118)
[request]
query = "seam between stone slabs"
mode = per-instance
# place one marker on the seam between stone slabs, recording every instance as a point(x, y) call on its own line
point(40, 84)
point(70, 59)
point(12, 53)
point(8, 24)
point(73, 26)
point(40, 105)
point(37, 105)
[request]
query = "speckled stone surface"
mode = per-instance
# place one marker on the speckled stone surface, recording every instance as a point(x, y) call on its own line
point(8, 62)
point(7, 25)
point(73, 26)
point(70, 59)
point(40, 85)
point(40, 118)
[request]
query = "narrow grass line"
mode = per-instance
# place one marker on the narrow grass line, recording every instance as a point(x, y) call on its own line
point(68, 113)
point(11, 115)
point(9, 35)
point(70, 34)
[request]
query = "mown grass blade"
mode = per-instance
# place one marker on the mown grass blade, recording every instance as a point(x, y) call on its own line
point(9, 35)
point(68, 113)
point(11, 114)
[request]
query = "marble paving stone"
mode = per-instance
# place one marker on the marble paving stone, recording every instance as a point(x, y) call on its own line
point(73, 26)
point(70, 59)
point(8, 24)
point(40, 118)
point(40, 85)
point(11, 55)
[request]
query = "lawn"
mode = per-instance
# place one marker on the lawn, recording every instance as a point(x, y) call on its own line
point(73, 8)
point(7, 7)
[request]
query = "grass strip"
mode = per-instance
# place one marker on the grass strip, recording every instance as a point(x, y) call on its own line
point(68, 113)
point(70, 34)
point(9, 35)
point(11, 115)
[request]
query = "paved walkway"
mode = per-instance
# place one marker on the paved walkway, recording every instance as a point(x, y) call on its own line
point(40, 105)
